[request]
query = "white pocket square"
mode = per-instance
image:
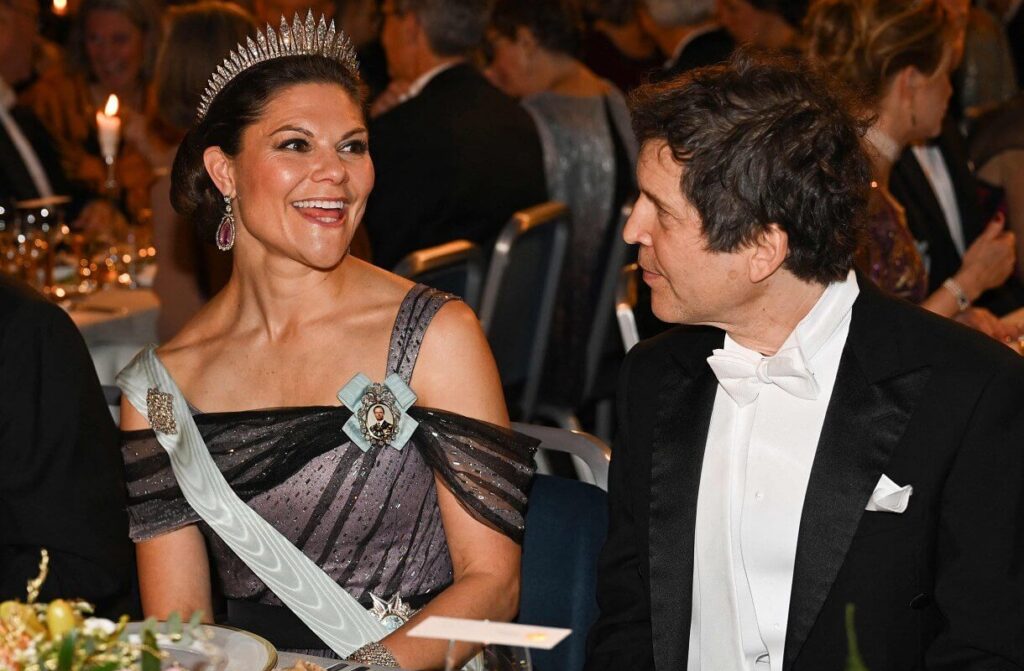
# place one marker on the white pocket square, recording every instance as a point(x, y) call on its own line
point(889, 497)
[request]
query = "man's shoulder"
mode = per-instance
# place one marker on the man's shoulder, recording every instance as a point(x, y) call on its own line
point(683, 344)
point(925, 338)
point(22, 307)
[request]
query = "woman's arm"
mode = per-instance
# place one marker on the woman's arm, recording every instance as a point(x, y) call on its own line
point(174, 570)
point(456, 372)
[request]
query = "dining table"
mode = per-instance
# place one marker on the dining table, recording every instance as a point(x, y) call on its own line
point(115, 324)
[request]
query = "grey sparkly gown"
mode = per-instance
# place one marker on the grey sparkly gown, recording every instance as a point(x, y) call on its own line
point(369, 519)
point(589, 159)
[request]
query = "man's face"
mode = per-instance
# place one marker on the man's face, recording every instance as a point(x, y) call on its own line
point(19, 27)
point(378, 412)
point(689, 284)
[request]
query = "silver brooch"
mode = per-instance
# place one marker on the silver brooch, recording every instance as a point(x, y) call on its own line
point(392, 613)
point(160, 410)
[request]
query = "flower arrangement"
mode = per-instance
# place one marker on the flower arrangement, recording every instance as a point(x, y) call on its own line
point(63, 636)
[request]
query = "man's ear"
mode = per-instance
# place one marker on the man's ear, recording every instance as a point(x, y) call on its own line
point(767, 253)
point(221, 170)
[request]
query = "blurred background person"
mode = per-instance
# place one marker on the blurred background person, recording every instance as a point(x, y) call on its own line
point(113, 51)
point(589, 160)
point(1011, 16)
point(984, 75)
point(271, 11)
point(997, 149)
point(769, 24)
point(190, 270)
point(686, 33)
point(897, 54)
point(31, 164)
point(361, 21)
point(615, 44)
point(457, 157)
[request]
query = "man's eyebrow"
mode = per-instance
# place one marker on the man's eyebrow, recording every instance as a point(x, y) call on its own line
point(658, 202)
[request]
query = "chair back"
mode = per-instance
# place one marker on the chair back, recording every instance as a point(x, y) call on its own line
point(456, 267)
point(626, 297)
point(589, 453)
point(519, 298)
point(598, 349)
point(566, 525)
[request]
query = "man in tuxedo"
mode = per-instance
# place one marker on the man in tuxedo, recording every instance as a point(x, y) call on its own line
point(457, 158)
point(31, 166)
point(939, 193)
point(62, 481)
point(686, 33)
point(808, 473)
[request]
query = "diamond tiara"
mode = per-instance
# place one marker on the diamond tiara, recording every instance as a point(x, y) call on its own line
point(309, 38)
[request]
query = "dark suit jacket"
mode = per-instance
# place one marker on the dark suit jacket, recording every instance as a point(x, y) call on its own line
point(61, 482)
point(927, 222)
point(1015, 33)
point(918, 398)
point(454, 162)
point(707, 49)
point(15, 181)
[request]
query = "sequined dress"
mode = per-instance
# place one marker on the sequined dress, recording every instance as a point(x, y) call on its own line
point(888, 253)
point(369, 519)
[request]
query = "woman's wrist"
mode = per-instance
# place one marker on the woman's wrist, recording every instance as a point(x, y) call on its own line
point(374, 653)
point(968, 284)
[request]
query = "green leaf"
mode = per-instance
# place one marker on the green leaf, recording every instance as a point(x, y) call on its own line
point(150, 651)
point(66, 656)
point(173, 623)
point(109, 666)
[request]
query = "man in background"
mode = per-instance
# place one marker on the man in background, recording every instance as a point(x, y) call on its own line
point(457, 157)
point(686, 33)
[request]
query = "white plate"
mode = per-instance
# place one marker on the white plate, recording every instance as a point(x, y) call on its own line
point(244, 651)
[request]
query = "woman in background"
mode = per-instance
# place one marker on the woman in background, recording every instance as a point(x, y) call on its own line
point(769, 24)
point(589, 158)
point(190, 271)
point(113, 50)
point(897, 54)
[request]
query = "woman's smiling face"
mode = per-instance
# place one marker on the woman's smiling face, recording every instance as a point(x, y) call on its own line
point(303, 174)
point(115, 47)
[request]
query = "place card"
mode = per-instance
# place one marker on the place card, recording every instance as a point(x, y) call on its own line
point(482, 631)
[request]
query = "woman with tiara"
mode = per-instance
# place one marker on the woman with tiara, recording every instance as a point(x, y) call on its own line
point(321, 455)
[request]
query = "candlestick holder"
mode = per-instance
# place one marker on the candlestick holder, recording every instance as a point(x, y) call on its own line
point(110, 185)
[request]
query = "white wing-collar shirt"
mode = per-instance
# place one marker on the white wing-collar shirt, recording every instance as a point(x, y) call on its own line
point(757, 463)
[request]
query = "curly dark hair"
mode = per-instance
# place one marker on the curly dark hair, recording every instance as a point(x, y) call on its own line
point(764, 140)
point(236, 107)
point(556, 24)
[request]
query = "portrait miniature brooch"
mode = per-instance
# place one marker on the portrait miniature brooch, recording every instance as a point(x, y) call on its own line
point(379, 411)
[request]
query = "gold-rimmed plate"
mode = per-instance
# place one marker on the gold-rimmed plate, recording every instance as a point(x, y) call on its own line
point(241, 650)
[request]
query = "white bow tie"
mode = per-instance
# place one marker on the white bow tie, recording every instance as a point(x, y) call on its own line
point(742, 376)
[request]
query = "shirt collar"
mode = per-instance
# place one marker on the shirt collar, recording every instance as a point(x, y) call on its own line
point(8, 98)
point(818, 325)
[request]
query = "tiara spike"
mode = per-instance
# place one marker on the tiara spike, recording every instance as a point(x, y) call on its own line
point(301, 37)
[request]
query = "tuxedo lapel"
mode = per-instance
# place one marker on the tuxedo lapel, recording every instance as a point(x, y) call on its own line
point(687, 398)
point(874, 396)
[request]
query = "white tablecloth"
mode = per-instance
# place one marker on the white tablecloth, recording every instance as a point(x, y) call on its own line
point(116, 324)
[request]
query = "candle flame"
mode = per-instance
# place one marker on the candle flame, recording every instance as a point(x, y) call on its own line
point(60, 6)
point(110, 109)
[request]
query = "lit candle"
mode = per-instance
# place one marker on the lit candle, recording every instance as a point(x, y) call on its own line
point(60, 7)
point(109, 125)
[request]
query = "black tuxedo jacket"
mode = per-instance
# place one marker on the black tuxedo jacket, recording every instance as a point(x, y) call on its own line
point(15, 181)
point(918, 398)
point(61, 479)
point(454, 162)
point(911, 188)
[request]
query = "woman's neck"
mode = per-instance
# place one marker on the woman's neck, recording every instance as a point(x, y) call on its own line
point(884, 145)
point(277, 296)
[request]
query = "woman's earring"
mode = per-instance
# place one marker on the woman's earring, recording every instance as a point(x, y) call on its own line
point(226, 230)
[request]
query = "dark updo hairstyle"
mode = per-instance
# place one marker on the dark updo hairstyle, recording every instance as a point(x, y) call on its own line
point(239, 105)
point(764, 140)
point(865, 43)
point(556, 24)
